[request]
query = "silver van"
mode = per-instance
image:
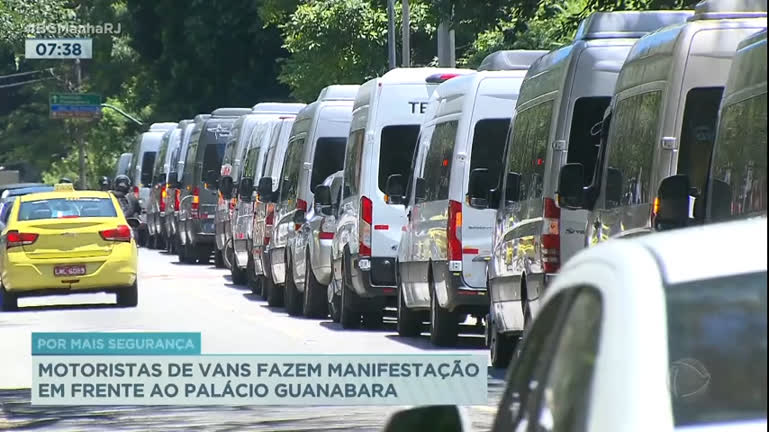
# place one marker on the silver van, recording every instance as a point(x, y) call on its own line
point(234, 154)
point(315, 150)
point(737, 179)
point(447, 238)
point(663, 118)
point(198, 197)
point(562, 99)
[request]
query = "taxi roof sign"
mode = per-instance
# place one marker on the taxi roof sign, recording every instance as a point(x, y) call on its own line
point(64, 187)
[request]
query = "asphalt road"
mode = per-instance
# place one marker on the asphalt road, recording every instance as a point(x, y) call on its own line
point(200, 298)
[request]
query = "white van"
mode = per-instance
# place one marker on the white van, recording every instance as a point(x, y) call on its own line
point(556, 120)
point(264, 208)
point(447, 239)
point(664, 115)
point(737, 178)
point(315, 151)
point(382, 137)
point(234, 156)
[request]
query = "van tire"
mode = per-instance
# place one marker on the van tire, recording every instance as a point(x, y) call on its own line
point(274, 293)
point(251, 279)
point(239, 275)
point(350, 315)
point(372, 319)
point(228, 255)
point(409, 322)
point(128, 297)
point(218, 258)
point(444, 326)
point(186, 255)
point(160, 243)
point(315, 295)
point(525, 310)
point(292, 295)
point(8, 301)
point(334, 302)
point(501, 347)
point(262, 280)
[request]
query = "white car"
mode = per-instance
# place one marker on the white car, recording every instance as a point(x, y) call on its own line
point(658, 333)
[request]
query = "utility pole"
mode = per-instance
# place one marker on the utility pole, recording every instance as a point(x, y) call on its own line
point(391, 33)
point(406, 30)
point(79, 129)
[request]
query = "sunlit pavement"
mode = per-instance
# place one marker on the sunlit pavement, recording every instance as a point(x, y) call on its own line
point(200, 298)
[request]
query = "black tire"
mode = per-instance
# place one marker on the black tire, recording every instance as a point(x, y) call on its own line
point(228, 255)
point(334, 303)
point(292, 295)
point(409, 321)
point(128, 297)
point(274, 293)
point(525, 309)
point(501, 347)
point(177, 244)
point(252, 280)
point(160, 242)
point(218, 258)
point(315, 301)
point(444, 325)
point(9, 301)
point(188, 254)
point(372, 319)
point(239, 275)
point(350, 314)
point(262, 281)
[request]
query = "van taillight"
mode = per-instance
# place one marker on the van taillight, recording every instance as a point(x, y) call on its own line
point(327, 226)
point(15, 238)
point(551, 237)
point(163, 195)
point(136, 191)
point(177, 199)
point(233, 203)
point(364, 227)
point(454, 236)
point(268, 221)
point(195, 205)
point(301, 205)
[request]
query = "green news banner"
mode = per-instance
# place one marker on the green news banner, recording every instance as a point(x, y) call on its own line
point(169, 369)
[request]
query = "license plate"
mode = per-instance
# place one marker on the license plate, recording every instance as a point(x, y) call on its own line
point(70, 270)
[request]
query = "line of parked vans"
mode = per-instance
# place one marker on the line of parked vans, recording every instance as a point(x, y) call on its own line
point(451, 194)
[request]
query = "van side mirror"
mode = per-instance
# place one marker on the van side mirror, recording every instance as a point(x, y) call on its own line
point(212, 178)
point(226, 187)
point(264, 189)
point(420, 193)
point(671, 207)
point(246, 189)
point(614, 185)
point(720, 200)
point(394, 189)
point(570, 193)
point(435, 418)
point(173, 180)
point(478, 188)
point(513, 187)
point(322, 195)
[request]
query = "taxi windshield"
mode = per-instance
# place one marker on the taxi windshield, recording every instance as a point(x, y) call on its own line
point(61, 208)
point(717, 349)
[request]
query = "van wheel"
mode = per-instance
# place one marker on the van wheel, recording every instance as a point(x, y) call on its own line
point(228, 254)
point(274, 293)
point(334, 301)
point(444, 327)
point(314, 305)
point(8, 301)
point(262, 282)
point(501, 347)
point(128, 297)
point(187, 254)
point(177, 245)
point(409, 321)
point(160, 242)
point(349, 315)
point(372, 319)
point(251, 279)
point(202, 254)
point(218, 258)
point(293, 296)
point(525, 305)
point(239, 275)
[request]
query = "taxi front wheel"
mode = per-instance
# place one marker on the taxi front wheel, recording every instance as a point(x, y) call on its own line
point(128, 297)
point(8, 301)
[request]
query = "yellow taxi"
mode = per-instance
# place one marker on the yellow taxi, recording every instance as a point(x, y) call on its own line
point(66, 242)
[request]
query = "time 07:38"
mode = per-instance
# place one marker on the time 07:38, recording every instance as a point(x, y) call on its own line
point(60, 49)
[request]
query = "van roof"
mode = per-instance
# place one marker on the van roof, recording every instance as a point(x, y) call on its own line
point(309, 111)
point(626, 24)
point(414, 75)
point(201, 117)
point(339, 92)
point(230, 112)
point(748, 71)
point(510, 60)
point(729, 9)
point(160, 127)
point(277, 108)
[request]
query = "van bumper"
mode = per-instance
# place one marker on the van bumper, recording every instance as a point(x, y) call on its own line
point(376, 278)
point(454, 294)
point(278, 265)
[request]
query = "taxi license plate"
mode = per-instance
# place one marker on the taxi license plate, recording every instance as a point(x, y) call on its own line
point(69, 270)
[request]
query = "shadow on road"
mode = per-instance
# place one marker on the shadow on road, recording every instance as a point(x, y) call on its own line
point(423, 342)
point(67, 306)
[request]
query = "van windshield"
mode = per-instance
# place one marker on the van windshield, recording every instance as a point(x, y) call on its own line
point(585, 137)
point(717, 349)
point(328, 159)
point(489, 139)
point(396, 151)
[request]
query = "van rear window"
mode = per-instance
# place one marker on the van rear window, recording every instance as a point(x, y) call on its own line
point(585, 135)
point(396, 151)
point(148, 164)
point(66, 208)
point(489, 140)
point(328, 159)
point(212, 158)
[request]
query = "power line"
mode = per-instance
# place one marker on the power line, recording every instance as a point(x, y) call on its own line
point(50, 70)
point(25, 82)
